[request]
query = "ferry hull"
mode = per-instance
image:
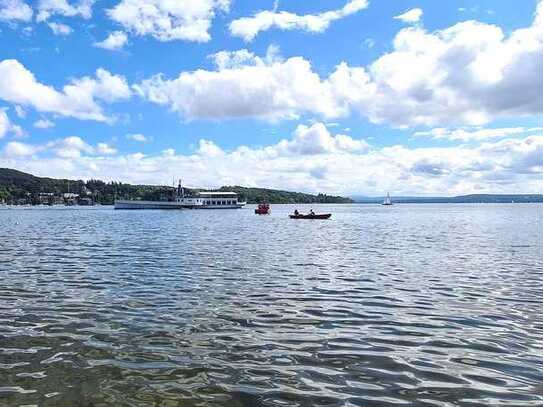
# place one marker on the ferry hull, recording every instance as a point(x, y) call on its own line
point(135, 205)
point(235, 206)
point(139, 205)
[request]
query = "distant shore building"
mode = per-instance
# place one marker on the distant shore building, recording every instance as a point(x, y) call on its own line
point(45, 198)
point(70, 199)
point(86, 202)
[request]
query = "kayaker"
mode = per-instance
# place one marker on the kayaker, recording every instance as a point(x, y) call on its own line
point(311, 212)
point(296, 212)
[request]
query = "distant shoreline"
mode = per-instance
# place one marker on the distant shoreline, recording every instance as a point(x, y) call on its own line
point(465, 199)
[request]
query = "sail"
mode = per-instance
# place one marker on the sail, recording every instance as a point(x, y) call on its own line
point(387, 200)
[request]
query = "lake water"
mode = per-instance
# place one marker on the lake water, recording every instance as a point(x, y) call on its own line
point(424, 305)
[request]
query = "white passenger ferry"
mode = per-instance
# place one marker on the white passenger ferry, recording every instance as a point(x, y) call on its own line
point(212, 200)
point(195, 200)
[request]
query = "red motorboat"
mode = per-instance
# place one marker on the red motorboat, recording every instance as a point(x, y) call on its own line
point(263, 209)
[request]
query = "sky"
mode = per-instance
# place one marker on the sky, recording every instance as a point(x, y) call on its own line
point(351, 97)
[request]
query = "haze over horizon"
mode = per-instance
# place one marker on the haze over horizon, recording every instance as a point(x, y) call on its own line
point(351, 97)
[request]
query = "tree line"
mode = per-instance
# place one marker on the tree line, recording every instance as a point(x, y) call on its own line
point(16, 186)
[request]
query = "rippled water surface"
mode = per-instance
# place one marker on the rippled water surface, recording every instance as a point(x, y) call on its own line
point(424, 305)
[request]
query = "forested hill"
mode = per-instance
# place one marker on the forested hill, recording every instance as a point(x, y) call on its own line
point(16, 185)
point(261, 195)
point(19, 186)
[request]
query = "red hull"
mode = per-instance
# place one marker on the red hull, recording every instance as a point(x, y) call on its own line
point(263, 209)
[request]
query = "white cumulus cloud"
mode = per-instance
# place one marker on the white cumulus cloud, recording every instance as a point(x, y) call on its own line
point(60, 29)
point(6, 126)
point(475, 134)
point(470, 73)
point(44, 124)
point(244, 85)
point(16, 149)
point(249, 27)
point(15, 10)
point(69, 148)
point(80, 98)
point(114, 41)
point(208, 148)
point(5, 123)
point(137, 137)
point(411, 16)
point(48, 8)
point(105, 149)
point(168, 20)
point(317, 139)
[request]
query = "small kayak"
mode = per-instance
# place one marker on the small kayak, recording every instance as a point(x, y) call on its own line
point(323, 216)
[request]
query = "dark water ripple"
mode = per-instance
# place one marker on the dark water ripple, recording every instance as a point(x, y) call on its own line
point(411, 305)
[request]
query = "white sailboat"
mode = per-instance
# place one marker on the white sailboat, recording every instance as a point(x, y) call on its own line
point(387, 201)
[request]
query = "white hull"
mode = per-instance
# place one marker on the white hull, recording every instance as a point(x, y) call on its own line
point(170, 205)
point(235, 206)
point(147, 205)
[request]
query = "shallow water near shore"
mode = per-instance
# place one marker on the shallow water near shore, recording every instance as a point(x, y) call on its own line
point(426, 305)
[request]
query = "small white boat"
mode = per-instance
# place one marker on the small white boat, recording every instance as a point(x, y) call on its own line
point(387, 201)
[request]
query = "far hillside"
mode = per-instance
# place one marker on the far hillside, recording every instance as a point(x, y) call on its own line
point(476, 198)
point(261, 195)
